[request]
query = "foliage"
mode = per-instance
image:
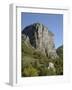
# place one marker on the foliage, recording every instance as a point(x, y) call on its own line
point(30, 71)
point(60, 51)
point(34, 63)
point(59, 66)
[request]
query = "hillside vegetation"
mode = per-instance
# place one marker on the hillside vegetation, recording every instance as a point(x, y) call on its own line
point(34, 63)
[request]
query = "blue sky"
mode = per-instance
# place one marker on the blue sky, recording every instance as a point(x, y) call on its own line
point(54, 22)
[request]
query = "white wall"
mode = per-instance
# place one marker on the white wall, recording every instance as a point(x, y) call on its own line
point(4, 44)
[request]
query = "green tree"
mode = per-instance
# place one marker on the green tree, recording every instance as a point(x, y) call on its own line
point(59, 66)
point(60, 51)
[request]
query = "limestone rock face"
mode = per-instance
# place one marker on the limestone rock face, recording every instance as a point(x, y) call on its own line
point(40, 38)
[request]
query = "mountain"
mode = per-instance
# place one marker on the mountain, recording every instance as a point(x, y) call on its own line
point(60, 51)
point(39, 56)
point(40, 38)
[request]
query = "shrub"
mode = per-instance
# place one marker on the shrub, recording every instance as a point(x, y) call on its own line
point(30, 71)
point(59, 66)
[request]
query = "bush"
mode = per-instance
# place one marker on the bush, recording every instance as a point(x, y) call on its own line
point(59, 66)
point(44, 71)
point(37, 55)
point(29, 71)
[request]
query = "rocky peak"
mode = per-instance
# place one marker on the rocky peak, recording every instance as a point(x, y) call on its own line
point(40, 38)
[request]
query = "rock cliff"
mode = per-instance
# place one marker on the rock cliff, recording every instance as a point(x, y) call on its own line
point(40, 38)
